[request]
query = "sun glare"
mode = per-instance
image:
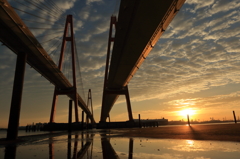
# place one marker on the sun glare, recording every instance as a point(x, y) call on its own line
point(186, 112)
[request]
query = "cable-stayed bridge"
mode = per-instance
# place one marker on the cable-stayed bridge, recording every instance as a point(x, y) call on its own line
point(16, 36)
point(139, 25)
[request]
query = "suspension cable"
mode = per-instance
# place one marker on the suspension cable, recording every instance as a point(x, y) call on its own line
point(79, 69)
point(32, 14)
point(37, 6)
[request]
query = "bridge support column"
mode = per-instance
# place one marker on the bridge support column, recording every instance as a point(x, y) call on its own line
point(89, 104)
point(106, 91)
point(53, 110)
point(123, 91)
point(14, 116)
point(76, 107)
point(128, 105)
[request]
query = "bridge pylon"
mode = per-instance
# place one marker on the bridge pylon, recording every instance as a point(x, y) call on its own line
point(107, 91)
point(89, 104)
point(68, 36)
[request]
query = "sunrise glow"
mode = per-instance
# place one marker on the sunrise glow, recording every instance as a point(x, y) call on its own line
point(186, 112)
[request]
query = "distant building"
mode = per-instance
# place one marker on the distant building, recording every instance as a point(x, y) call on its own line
point(159, 121)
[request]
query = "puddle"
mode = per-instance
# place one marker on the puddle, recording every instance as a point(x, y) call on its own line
point(3, 133)
point(84, 145)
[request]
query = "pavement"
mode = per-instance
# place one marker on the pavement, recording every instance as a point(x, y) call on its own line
point(218, 132)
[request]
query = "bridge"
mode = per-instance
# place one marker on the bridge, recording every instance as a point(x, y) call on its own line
point(26, 46)
point(139, 26)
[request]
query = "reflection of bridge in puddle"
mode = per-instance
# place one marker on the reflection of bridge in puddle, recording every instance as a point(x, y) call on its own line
point(86, 150)
point(86, 147)
point(95, 145)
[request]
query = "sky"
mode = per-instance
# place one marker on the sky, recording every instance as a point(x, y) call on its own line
point(195, 65)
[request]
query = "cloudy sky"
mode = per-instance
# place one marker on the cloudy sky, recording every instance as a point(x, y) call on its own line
point(195, 64)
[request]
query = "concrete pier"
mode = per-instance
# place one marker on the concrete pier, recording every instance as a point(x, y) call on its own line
point(14, 116)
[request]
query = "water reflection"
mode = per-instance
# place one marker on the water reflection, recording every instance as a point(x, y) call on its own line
point(84, 150)
point(107, 149)
point(51, 148)
point(10, 151)
point(90, 145)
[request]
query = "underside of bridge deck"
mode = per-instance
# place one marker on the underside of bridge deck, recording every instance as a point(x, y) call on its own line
point(140, 24)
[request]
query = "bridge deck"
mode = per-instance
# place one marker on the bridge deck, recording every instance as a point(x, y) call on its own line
point(140, 25)
point(16, 36)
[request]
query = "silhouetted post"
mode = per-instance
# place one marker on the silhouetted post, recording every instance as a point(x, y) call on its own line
point(82, 119)
point(139, 121)
point(14, 116)
point(234, 117)
point(70, 116)
point(26, 128)
point(188, 120)
point(109, 119)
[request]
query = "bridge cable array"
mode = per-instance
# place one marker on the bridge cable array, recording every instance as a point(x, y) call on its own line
point(79, 76)
point(47, 21)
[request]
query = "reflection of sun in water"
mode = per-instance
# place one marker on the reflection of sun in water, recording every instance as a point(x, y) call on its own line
point(190, 142)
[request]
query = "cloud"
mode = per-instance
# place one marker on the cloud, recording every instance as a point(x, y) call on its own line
point(92, 1)
point(85, 12)
point(223, 6)
point(198, 4)
point(64, 4)
point(218, 101)
point(4, 67)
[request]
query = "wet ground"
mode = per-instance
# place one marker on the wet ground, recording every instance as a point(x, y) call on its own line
point(123, 144)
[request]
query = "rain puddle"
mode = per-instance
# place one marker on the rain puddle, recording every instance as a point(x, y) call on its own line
point(97, 145)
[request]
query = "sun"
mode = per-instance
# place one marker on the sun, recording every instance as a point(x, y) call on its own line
point(186, 112)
